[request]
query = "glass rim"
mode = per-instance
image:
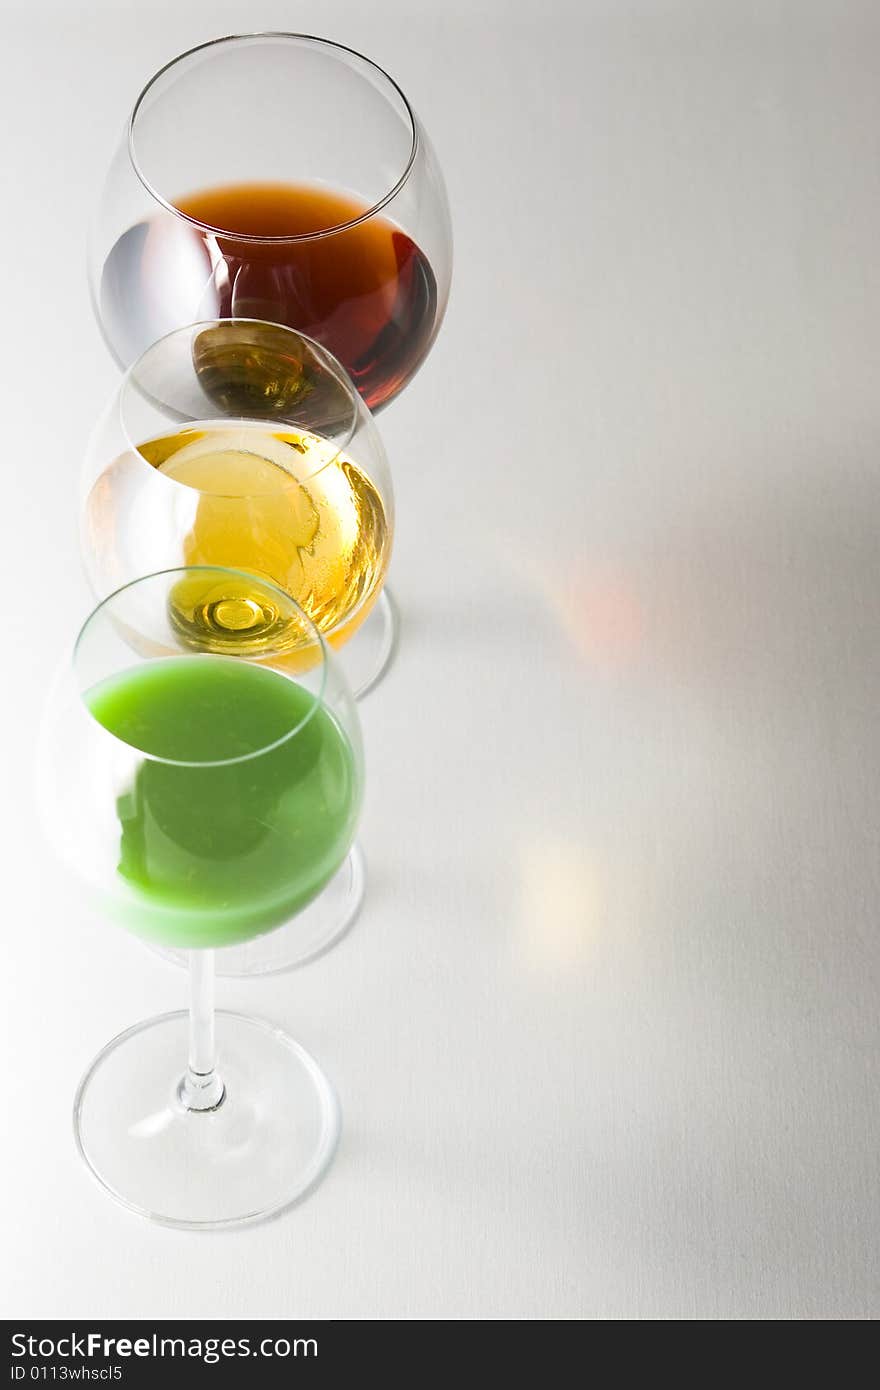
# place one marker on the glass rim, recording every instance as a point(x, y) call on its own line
point(250, 237)
point(271, 426)
point(261, 661)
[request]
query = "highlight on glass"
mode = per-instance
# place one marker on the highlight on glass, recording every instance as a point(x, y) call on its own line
point(321, 206)
point(205, 799)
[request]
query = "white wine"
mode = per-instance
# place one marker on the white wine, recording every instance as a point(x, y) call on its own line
point(286, 506)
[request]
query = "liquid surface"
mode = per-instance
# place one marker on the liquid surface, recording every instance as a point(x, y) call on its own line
point(289, 507)
point(366, 292)
point(214, 855)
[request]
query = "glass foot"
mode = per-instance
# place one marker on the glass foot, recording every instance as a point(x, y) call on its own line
point(267, 1143)
point(309, 934)
point(366, 656)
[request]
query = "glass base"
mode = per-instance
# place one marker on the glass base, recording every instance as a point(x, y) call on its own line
point(307, 935)
point(366, 656)
point(267, 1143)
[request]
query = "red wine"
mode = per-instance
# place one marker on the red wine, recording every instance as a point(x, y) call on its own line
point(366, 292)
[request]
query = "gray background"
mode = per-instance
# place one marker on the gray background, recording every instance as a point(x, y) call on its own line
point(606, 1033)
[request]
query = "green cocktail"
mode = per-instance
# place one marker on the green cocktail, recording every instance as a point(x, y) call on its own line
point(243, 808)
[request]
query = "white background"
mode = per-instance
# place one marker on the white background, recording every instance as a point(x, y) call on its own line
point(606, 1035)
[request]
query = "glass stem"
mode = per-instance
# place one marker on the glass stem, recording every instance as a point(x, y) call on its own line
point(201, 1087)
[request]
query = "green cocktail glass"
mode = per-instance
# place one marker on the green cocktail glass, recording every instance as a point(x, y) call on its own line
point(205, 800)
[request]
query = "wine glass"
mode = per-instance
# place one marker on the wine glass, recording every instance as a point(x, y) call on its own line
point(204, 798)
point(243, 444)
point(279, 177)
